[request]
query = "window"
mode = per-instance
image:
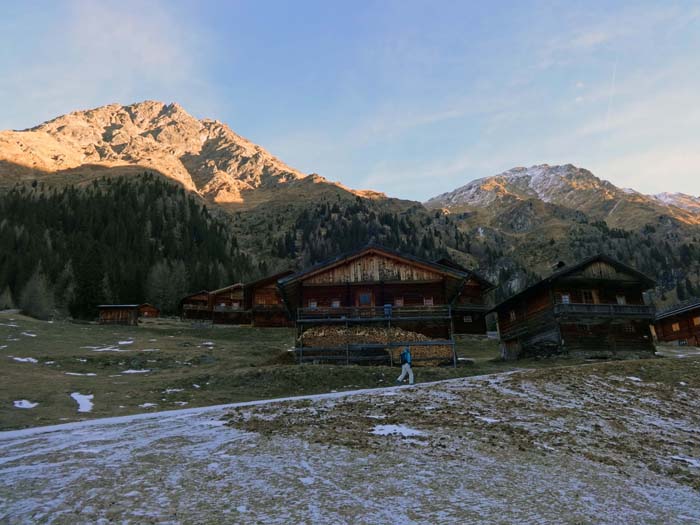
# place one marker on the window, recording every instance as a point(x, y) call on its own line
point(621, 299)
point(236, 305)
point(427, 301)
point(587, 296)
point(696, 321)
point(335, 303)
point(398, 301)
point(365, 299)
point(467, 318)
point(313, 303)
point(513, 315)
point(565, 298)
point(628, 327)
point(676, 327)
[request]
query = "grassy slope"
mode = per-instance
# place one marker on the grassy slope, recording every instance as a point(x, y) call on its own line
point(243, 364)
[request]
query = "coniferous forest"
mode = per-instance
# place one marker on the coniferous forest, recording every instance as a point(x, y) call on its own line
point(117, 240)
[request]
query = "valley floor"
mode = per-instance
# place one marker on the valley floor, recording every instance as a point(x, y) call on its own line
point(615, 442)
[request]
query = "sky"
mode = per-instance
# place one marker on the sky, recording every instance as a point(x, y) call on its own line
point(412, 98)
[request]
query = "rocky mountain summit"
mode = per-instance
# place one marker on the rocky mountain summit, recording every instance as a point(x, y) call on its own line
point(205, 156)
point(570, 187)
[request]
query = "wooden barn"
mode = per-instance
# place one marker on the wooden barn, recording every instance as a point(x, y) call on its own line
point(149, 311)
point(264, 302)
point(470, 307)
point(196, 306)
point(381, 290)
point(595, 308)
point(228, 305)
point(680, 323)
point(128, 314)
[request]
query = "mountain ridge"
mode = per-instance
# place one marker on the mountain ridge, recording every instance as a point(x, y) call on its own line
point(205, 156)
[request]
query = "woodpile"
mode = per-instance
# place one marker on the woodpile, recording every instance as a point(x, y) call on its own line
point(339, 336)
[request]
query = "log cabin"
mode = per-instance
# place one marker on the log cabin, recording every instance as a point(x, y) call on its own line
point(127, 314)
point(375, 286)
point(228, 305)
point(595, 308)
point(196, 306)
point(679, 323)
point(264, 302)
point(470, 307)
point(147, 310)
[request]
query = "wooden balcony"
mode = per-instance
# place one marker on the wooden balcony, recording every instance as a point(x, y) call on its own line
point(196, 307)
point(353, 314)
point(225, 308)
point(624, 311)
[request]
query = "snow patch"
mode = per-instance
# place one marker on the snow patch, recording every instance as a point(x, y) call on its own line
point(392, 430)
point(28, 334)
point(79, 374)
point(148, 405)
point(25, 359)
point(695, 463)
point(130, 371)
point(24, 403)
point(488, 419)
point(84, 401)
point(635, 379)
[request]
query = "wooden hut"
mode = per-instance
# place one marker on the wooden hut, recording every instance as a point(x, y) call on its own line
point(264, 302)
point(680, 323)
point(470, 307)
point(228, 305)
point(149, 311)
point(196, 306)
point(373, 287)
point(127, 314)
point(594, 308)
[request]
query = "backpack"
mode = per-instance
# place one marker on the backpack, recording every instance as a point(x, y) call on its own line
point(406, 356)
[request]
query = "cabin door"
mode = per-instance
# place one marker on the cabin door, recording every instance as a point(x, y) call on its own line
point(364, 298)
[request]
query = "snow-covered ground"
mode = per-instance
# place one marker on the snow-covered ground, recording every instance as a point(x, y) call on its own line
point(556, 446)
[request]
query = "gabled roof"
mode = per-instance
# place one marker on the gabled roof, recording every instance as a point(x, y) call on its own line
point(649, 282)
point(225, 288)
point(371, 248)
point(269, 279)
point(446, 261)
point(680, 308)
point(195, 293)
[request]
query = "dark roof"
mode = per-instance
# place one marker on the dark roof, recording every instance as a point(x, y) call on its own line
point(685, 306)
point(269, 279)
point(566, 270)
point(446, 261)
point(194, 293)
point(118, 305)
point(372, 247)
point(229, 287)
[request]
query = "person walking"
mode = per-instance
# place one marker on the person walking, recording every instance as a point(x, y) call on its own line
point(406, 366)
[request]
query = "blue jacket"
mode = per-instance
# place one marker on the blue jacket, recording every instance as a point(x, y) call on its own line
point(406, 356)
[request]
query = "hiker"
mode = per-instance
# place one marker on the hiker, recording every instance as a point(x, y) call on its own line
point(406, 366)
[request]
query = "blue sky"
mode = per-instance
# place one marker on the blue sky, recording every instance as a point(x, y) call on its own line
point(409, 98)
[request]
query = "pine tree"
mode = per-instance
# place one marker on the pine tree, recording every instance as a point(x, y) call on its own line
point(36, 298)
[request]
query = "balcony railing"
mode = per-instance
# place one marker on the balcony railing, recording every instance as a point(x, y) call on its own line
point(632, 311)
point(227, 308)
point(372, 313)
point(197, 307)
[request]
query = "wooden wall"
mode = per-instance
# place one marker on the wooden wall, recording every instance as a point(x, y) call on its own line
point(128, 316)
point(688, 331)
point(413, 294)
point(374, 268)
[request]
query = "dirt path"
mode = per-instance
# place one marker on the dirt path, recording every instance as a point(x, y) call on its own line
point(614, 443)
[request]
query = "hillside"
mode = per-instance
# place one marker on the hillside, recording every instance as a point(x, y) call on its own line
point(536, 216)
point(512, 226)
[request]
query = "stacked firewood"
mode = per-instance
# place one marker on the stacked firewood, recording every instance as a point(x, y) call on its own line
point(339, 336)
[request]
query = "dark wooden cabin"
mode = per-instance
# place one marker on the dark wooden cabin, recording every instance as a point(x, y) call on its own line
point(470, 307)
point(264, 302)
point(378, 287)
point(196, 306)
point(680, 323)
point(595, 308)
point(118, 314)
point(149, 311)
point(228, 305)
